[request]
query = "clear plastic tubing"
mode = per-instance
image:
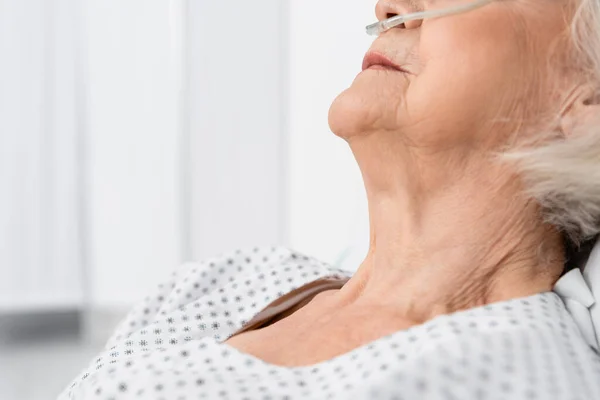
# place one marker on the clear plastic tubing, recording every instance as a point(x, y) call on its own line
point(387, 24)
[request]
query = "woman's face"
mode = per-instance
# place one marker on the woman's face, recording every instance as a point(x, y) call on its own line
point(464, 76)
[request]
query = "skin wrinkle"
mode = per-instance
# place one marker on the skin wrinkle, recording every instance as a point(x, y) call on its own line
point(511, 108)
point(554, 52)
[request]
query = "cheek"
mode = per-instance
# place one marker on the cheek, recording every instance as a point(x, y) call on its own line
point(472, 73)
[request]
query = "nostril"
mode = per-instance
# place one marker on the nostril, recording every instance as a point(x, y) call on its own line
point(392, 15)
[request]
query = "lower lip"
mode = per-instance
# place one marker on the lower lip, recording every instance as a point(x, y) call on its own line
point(383, 67)
point(379, 67)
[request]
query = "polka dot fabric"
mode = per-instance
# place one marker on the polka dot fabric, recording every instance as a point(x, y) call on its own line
point(171, 345)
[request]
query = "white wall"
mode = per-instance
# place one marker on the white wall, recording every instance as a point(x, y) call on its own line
point(326, 200)
point(40, 258)
point(265, 169)
point(133, 143)
point(237, 131)
point(265, 166)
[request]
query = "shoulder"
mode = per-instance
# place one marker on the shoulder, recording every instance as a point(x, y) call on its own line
point(525, 348)
point(195, 280)
point(212, 297)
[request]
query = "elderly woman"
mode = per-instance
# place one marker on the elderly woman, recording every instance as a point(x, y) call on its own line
point(475, 132)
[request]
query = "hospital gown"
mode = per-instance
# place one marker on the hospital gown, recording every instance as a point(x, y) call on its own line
point(171, 346)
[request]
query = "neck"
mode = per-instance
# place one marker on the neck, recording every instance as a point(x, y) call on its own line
point(447, 232)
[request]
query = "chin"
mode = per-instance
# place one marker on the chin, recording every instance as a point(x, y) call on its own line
point(351, 114)
point(371, 103)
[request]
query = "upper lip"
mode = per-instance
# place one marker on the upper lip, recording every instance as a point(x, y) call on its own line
point(376, 58)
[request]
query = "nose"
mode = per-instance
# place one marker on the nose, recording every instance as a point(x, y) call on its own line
point(390, 8)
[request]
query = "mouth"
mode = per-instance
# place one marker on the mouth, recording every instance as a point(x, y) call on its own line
point(374, 60)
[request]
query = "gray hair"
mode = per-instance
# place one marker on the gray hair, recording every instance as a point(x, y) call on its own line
point(563, 175)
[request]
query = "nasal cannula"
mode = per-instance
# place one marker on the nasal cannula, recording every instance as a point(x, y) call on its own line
point(387, 24)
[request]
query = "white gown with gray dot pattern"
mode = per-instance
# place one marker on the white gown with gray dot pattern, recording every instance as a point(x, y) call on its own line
point(170, 345)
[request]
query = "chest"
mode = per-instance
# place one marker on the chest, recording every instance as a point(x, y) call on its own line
point(311, 336)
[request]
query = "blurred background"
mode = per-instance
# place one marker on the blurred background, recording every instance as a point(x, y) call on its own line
point(138, 134)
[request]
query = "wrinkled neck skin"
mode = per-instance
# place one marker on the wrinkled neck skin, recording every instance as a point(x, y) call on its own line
point(449, 230)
